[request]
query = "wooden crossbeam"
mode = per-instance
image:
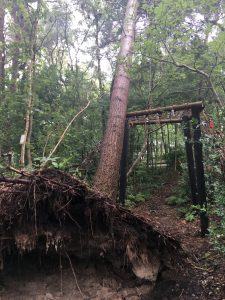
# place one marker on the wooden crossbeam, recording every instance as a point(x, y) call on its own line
point(153, 111)
point(154, 121)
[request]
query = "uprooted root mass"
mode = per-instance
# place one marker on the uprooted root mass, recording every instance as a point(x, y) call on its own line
point(52, 210)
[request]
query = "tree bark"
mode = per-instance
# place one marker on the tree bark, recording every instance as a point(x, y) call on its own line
point(18, 19)
point(2, 53)
point(28, 118)
point(107, 175)
point(99, 73)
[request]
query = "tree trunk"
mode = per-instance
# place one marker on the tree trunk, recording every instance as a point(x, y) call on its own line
point(18, 19)
point(2, 53)
point(107, 175)
point(28, 118)
point(99, 74)
point(25, 141)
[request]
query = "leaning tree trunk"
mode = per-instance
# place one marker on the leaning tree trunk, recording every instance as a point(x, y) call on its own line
point(107, 175)
point(2, 53)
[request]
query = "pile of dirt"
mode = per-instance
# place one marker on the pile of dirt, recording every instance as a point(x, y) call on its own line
point(51, 212)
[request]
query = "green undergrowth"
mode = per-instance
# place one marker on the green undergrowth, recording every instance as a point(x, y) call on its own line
point(181, 199)
point(146, 181)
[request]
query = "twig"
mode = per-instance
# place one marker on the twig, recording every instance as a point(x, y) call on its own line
point(74, 274)
point(199, 268)
point(35, 210)
point(181, 293)
point(50, 181)
point(69, 215)
point(21, 172)
point(60, 267)
point(143, 148)
point(195, 70)
point(64, 206)
point(64, 133)
point(46, 143)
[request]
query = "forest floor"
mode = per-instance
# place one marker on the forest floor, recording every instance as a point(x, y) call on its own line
point(204, 275)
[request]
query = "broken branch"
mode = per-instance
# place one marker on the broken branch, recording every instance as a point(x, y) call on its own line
point(64, 133)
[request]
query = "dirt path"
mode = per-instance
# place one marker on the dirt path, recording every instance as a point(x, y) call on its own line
point(204, 275)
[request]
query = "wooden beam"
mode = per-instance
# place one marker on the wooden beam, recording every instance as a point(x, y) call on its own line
point(179, 107)
point(154, 121)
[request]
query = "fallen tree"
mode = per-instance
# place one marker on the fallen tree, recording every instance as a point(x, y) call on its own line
point(52, 210)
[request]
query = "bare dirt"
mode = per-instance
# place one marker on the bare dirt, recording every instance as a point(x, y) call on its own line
point(45, 280)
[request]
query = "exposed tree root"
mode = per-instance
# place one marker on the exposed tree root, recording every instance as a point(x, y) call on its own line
point(52, 210)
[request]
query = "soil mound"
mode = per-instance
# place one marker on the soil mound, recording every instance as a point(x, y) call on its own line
point(52, 212)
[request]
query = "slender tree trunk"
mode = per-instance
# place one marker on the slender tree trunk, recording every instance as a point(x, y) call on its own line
point(2, 53)
point(15, 65)
point(29, 158)
point(25, 144)
point(107, 175)
point(28, 118)
point(18, 19)
point(99, 75)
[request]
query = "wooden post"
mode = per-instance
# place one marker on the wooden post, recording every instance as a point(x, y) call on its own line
point(148, 148)
point(168, 138)
point(123, 166)
point(200, 171)
point(175, 145)
point(190, 162)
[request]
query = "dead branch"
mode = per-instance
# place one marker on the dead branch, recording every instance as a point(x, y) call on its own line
point(21, 172)
point(51, 182)
point(74, 274)
point(143, 149)
point(64, 133)
point(195, 70)
point(11, 180)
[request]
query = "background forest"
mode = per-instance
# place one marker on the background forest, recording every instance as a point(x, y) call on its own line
point(56, 56)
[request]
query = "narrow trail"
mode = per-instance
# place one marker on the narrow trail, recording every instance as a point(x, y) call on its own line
point(167, 219)
point(204, 275)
